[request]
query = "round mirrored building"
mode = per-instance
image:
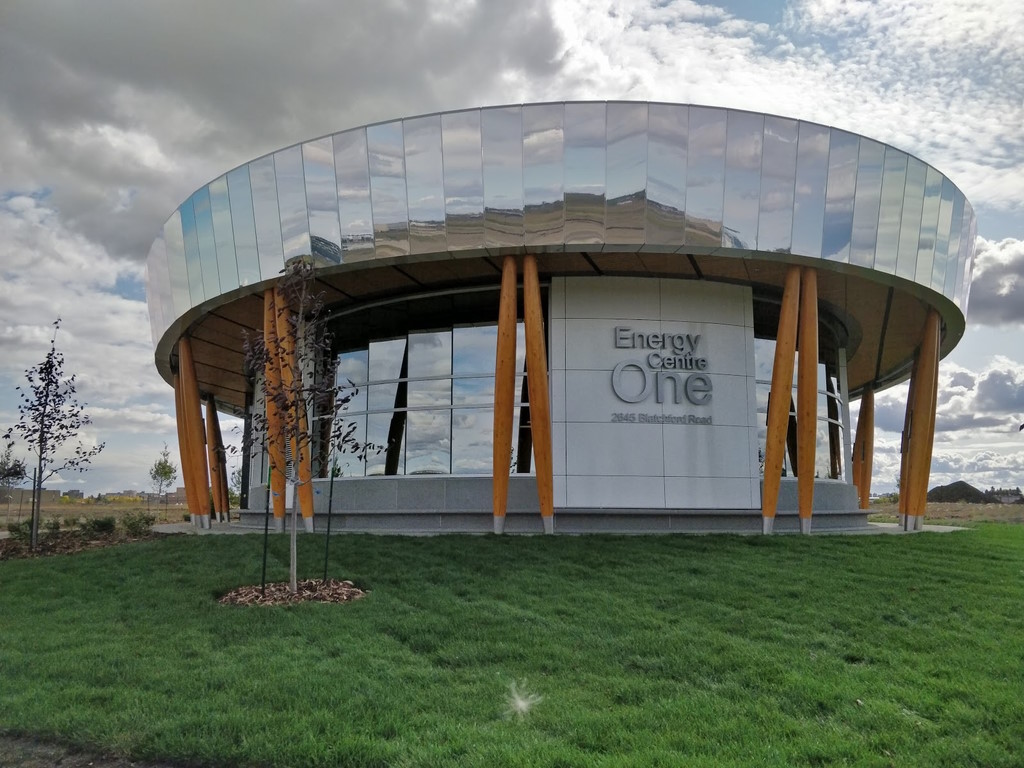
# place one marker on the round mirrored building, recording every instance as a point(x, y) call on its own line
point(578, 316)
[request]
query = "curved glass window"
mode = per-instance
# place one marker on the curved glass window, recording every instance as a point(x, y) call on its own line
point(423, 404)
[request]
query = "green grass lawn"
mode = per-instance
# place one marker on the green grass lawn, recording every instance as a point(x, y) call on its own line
point(713, 650)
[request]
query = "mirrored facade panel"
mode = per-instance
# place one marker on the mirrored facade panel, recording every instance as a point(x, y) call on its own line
point(352, 172)
point(387, 359)
point(463, 180)
point(322, 201)
point(809, 194)
point(667, 142)
point(968, 261)
point(473, 350)
point(953, 247)
point(207, 241)
point(386, 148)
point(193, 261)
point(291, 194)
point(705, 176)
point(268, 220)
point(584, 172)
point(894, 179)
point(867, 202)
point(424, 172)
point(910, 223)
point(158, 289)
point(174, 244)
point(626, 174)
point(942, 234)
point(743, 150)
point(929, 226)
point(386, 431)
point(543, 145)
point(472, 441)
point(223, 235)
point(502, 151)
point(839, 196)
point(778, 183)
point(429, 443)
point(243, 226)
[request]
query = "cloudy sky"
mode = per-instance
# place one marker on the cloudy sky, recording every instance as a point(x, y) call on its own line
point(111, 113)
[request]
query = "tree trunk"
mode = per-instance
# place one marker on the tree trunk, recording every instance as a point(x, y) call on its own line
point(293, 571)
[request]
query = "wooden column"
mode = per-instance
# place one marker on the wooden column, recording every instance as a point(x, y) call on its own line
point(908, 419)
point(537, 379)
point(922, 426)
point(807, 396)
point(291, 383)
point(779, 398)
point(194, 430)
point(272, 389)
point(187, 478)
point(864, 447)
point(504, 391)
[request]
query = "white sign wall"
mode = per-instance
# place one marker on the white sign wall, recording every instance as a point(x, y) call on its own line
point(652, 400)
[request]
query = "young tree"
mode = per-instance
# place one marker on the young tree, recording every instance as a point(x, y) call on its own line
point(163, 473)
point(12, 474)
point(50, 416)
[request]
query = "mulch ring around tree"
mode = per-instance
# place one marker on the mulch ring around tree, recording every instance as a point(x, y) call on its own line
point(309, 591)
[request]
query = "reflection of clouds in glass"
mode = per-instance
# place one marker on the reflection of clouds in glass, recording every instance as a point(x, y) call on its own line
point(472, 431)
point(474, 349)
point(430, 354)
point(386, 359)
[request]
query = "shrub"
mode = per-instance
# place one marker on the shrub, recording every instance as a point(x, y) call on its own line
point(99, 525)
point(52, 526)
point(20, 531)
point(137, 523)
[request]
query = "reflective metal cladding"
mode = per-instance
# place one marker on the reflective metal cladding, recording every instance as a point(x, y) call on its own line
point(574, 176)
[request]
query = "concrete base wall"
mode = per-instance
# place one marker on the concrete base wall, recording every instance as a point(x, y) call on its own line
point(452, 504)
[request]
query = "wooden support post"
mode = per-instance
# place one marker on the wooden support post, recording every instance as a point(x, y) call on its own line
point(908, 419)
point(537, 380)
point(504, 391)
point(779, 399)
point(272, 389)
point(291, 383)
point(187, 478)
point(864, 447)
point(922, 427)
point(194, 430)
point(807, 395)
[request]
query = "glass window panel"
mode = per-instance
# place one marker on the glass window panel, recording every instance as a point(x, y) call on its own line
point(429, 448)
point(220, 207)
point(382, 397)
point(744, 141)
point(193, 261)
point(378, 428)
point(894, 179)
point(463, 180)
point(910, 222)
point(705, 176)
point(430, 354)
point(778, 181)
point(352, 172)
point(349, 459)
point(207, 242)
point(866, 203)
point(386, 149)
point(322, 201)
point(953, 247)
point(352, 368)
point(426, 393)
point(158, 289)
point(174, 242)
point(668, 137)
point(474, 349)
point(425, 184)
point(268, 220)
point(543, 142)
point(584, 172)
point(839, 196)
point(626, 176)
point(385, 359)
point(243, 226)
point(502, 150)
point(967, 254)
point(473, 391)
point(291, 192)
point(809, 194)
point(472, 441)
point(929, 227)
point(942, 235)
